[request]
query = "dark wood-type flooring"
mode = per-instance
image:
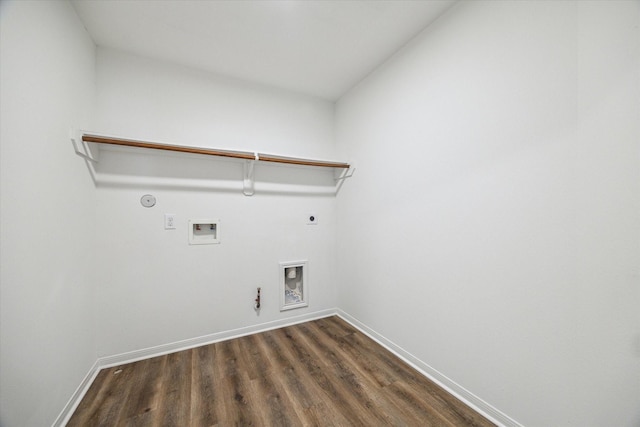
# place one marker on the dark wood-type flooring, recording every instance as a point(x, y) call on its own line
point(319, 373)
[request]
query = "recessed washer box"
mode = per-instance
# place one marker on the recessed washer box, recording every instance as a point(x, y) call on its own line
point(204, 231)
point(294, 285)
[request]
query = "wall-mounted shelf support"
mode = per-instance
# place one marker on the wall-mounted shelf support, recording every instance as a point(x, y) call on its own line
point(342, 174)
point(246, 155)
point(82, 148)
point(248, 180)
point(86, 146)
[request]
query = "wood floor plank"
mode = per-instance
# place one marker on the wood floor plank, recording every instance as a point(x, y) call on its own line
point(175, 391)
point(206, 404)
point(366, 394)
point(268, 394)
point(111, 388)
point(431, 396)
point(144, 383)
point(320, 373)
point(302, 385)
point(371, 388)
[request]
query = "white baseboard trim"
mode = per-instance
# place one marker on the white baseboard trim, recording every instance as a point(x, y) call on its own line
point(145, 353)
point(161, 350)
point(77, 396)
point(452, 387)
point(443, 381)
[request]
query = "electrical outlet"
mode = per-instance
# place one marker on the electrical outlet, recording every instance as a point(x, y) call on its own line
point(169, 221)
point(312, 219)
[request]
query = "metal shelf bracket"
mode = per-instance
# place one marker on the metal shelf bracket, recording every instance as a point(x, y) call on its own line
point(81, 147)
point(248, 180)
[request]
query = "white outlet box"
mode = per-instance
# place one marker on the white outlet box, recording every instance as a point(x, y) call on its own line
point(169, 221)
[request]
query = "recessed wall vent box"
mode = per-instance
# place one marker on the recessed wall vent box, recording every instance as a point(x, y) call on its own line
point(294, 285)
point(204, 231)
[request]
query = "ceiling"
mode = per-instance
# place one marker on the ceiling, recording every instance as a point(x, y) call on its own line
point(316, 47)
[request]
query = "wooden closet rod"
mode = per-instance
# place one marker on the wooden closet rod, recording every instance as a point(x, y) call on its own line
point(304, 162)
point(212, 152)
point(156, 146)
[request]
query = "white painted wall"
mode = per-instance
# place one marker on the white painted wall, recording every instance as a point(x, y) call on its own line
point(493, 226)
point(152, 287)
point(160, 101)
point(47, 221)
point(508, 236)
